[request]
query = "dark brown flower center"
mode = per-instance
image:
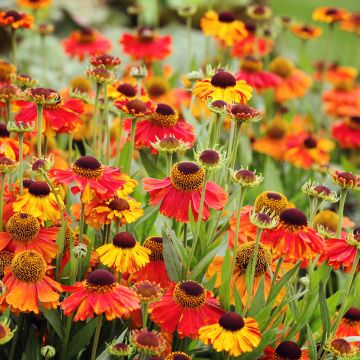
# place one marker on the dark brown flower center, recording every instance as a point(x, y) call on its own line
point(209, 157)
point(6, 161)
point(88, 163)
point(231, 321)
point(245, 175)
point(342, 346)
point(219, 104)
point(288, 350)
point(259, 10)
point(119, 204)
point(293, 216)
point(353, 314)
point(136, 106)
point(181, 357)
point(189, 294)
point(347, 177)
point(164, 109)
point(154, 243)
point(223, 79)
point(332, 11)
point(241, 109)
point(310, 142)
point(100, 277)
point(156, 90)
point(39, 188)
point(187, 176)
point(45, 92)
point(148, 338)
point(27, 183)
point(226, 17)
point(273, 196)
point(127, 89)
point(263, 218)
point(124, 240)
point(121, 346)
point(146, 34)
point(4, 131)
point(13, 14)
point(321, 189)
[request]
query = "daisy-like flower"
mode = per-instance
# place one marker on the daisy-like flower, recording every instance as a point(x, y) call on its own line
point(341, 348)
point(342, 252)
point(135, 108)
point(321, 192)
point(347, 132)
point(284, 351)
point(34, 4)
point(306, 32)
point(16, 20)
point(345, 179)
point(23, 232)
point(258, 12)
point(170, 144)
point(163, 122)
point(232, 333)
point(91, 178)
point(294, 82)
point(85, 42)
point(352, 23)
point(176, 355)
point(5, 260)
point(209, 159)
point(99, 294)
point(147, 291)
point(104, 60)
point(7, 165)
point(119, 349)
point(40, 202)
point(7, 71)
point(124, 91)
point(124, 254)
point(27, 275)
point(146, 45)
point(252, 72)
point(10, 147)
point(185, 307)
point(272, 202)
point(243, 113)
point(6, 334)
point(223, 86)
point(293, 238)
point(350, 323)
point(148, 342)
point(183, 187)
point(246, 178)
point(24, 81)
point(305, 150)
point(155, 271)
point(329, 15)
point(223, 27)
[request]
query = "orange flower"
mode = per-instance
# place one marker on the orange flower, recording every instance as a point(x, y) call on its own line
point(10, 147)
point(27, 284)
point(99, 294)
point(284, 351)
point(350, 323)
point(342, 77)
point(34, 4)
point(352, 23)
point(347, 132)
point(341, 102)
point(329, 14)
point(16, 20)
point(306, 32)
point(223, 27)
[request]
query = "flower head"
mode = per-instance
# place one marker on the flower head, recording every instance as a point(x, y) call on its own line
point(341, 348)
point(321, 192)
point(209, 159)
point(350, 323)
point(6, 334)
point(7, 165)
point(258, 12)
point(243, 113)
point(147, 291)
point(119, 349)
point(330, 14)
point(177, 355)
point(345, 179)
point(16, 20)
point(104, 60)
point(34, 4)
point(48, 351)
point(272, 202)
point(246, 178)
point(286, 350)
point(170, 144)
point(148, 342)
point(101, 75)
point(263, 221)
point(306, 32)
point(136, 107)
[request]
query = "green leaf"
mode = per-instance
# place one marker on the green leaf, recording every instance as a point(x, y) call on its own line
point(152, 169)
point(272, 179)
point(53, 317)
point(224, 291)
point(172, 260)
point(258, 301)
point(238, 301)
point(81, 339)
point(324, 312)
point(311, 343)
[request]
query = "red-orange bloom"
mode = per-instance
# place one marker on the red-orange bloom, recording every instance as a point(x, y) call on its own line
point(99, 294)
point(27, 284)
point(16, 20)
point(284, 351)
point(306, 32)
point(352, 23)
point(347, 132)
point(329, 14)
point(10, 147)
point(23, 232)
point(185, 307)
point(86, 42)
point(342, 102)
point(252, 45)
point(350, 323)
point(183, 187)
point(146, 45)
point(91, 178)
point(293, 238)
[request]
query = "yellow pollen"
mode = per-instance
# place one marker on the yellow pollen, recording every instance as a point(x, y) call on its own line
point(28, 266)
point(164, 120)
point(281, 67)
point(99, 288)
point(88, 173)
point(271, 201)
point(186, 182)
point(245, 253)
point(188, 301)
point(23, 227)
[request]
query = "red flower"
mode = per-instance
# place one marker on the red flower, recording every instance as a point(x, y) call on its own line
point(146, 45)
point(284, 351)
point(350, 323)
point(347, 133)
point(293, 239)
point(162, 123)
point(185, 308)
point(91, 178)
point(251, 46)
point(86, 42)
point(183, 188)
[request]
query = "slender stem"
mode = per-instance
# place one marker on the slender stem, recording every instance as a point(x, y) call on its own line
point(96, 337)
point(198, 225)
point(343, 194)
point(107, 125)
point(144, 314)
point(118, 148)
point(8, 111)
point(169, 156)
point(39, 130)
point(16, 338)
point(82, 221)
point(66, 337)
point(235, 144)
point(138, 81)
point(21, 160)
point(314, 207)
point(2, 186)
point(127, 166)
point(71, 138)
point(96, 114)
point(13, 46)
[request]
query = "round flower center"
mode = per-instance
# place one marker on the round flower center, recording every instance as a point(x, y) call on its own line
point(245, 253)
point(321, 189)
point(219, 104)
point(154, 243)
point(293, 217)
point(148, 338)
point(39, 164)
point(288, 350)
point(272, 201)
point(119, 204)
point(310, 142)
point(276, 130)
point(187, 176)
point(86, 36)
point(105, 60)
point(23, 227)
point(43, 92)
point(353, 314)
point(226, 17)
point(124, 240)
point(223, 79)
point(240, 109)
point(39, 188)
point(88, 167)
point(6, 161)
point(347, 177)
point(13, 14)
point(231, 321)
point(164, 116)
point(4, 131)
point(100, 281)
point(121, 346)
point(146, 34)
point(209, 157)
point(342, 346)
point(263, 218)
point(27, 183)
point(181, 357)
point(8, 90)
point(331, 11)
point(5, 260)
point(328, 219)
point(28, 266)
point(251, 64)
point(281, 67)
point(246, 176)
point(127, 89)
point(189, 294)
point(146, 289)
point(259, 10)
point(169, 143)
point(136, 106)
point(157, 89)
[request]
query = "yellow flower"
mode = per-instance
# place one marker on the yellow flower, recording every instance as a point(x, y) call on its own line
point(124, 254)
point(128, 187)
point(232, 333)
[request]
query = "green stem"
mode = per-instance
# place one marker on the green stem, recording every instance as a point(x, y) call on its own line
point(96, 114)
point(235, 144)
point(16, 338)
point(39, 131)
point(107, 125)
point(66, 337)
point(2, 186)
point(144, 314)
point(118, 148)
point(314, 207)
point(96, 337)
point(343, 194)
point(82, 221)
point(169, 156)
point(21, 160)
point(138, 82)
point(197, 228)
point(13, 46)
point(71, 138)
point(8, 111)
point(127, 166)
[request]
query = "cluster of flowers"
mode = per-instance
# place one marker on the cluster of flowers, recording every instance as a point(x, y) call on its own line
point(198, 262)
